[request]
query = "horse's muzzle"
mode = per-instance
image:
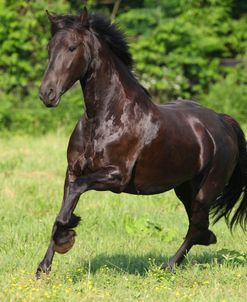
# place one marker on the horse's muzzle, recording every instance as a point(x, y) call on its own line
point(49, 96)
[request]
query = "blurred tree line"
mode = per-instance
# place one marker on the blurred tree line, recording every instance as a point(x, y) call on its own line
point(182, 48)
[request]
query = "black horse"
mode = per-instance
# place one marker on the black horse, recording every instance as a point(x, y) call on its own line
point(125, 143)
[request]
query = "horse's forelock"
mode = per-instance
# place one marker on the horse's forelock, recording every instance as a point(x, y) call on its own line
point(66, 22)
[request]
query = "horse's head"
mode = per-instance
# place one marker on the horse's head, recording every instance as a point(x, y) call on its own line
point(69, 56)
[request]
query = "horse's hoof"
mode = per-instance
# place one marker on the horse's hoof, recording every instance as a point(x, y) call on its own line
point(206, 238)
point(41, 271)
point(65, 241)
point(166, 267)
point(212, 238)
point(38, 273)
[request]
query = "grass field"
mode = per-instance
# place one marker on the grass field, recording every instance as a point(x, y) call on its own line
point(121, 242)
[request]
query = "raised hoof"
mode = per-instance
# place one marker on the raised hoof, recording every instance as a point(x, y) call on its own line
point(64, 241)
point(212, 238)
point(207, 238)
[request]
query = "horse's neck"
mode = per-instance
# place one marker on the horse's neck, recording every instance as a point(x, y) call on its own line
point(107, 87)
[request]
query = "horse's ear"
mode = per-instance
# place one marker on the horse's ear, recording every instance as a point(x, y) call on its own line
point(84, 17)
point(52, 17)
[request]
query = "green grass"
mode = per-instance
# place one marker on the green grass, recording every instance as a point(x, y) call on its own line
point(121, 242)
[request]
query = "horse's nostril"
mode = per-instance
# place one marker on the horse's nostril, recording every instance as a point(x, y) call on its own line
point(50, 91)
point(51, 94)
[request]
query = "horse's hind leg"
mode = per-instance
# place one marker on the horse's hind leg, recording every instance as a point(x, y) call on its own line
point(204, 193)
point(185, 193)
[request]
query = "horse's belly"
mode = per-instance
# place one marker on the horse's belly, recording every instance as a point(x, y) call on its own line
point(153, 182)
point(146, 190)
point(159, 170)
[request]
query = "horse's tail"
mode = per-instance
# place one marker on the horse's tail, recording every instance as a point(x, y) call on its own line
point(235, 193)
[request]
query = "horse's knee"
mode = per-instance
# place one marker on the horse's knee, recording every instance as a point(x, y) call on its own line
point(64, 240)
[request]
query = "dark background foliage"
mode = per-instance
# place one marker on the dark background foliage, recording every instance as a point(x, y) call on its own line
point(182, 48)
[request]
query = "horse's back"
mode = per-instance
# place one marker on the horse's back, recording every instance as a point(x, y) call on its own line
point(186, 112)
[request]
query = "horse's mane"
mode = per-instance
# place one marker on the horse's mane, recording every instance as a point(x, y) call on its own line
point(115, 39)
point(105, 29)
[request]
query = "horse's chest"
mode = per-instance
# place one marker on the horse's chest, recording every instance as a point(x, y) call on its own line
point(119, 144)
point(100, 143)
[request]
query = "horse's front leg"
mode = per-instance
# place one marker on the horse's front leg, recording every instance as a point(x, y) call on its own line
point(62, 238)
point(108, 178)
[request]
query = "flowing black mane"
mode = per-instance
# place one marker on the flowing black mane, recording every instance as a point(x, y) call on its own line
point(103, 28)
point(114, 37)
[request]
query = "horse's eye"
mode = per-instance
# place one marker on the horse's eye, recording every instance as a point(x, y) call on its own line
point(72, 48)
